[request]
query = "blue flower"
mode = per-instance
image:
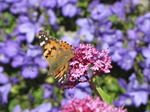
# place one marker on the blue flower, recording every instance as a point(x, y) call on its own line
point(29, 29)
point(48, 90)
point(118, 8)
point(81, 91)
point(135, 93)
point(12, 1)
point(11, 48)
point(71, 40)
point(4, 91)
point(3, 57)
point(143, 24)
point(146, 69)
point(3, 78)
point(146, 51)
point(4, 6)
point(19, 7)
point(85, 35)
point(18, 60)
point(30, 70)
point(45, 107)
point(49, 3)
point(100, 12)
point(86, 23)
point(17, 108)
point(69, 10)
point(52, 17)
point(127, 60)
point(62, 2)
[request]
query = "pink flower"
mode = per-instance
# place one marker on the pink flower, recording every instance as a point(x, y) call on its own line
point(89, 104)
point(87, 58)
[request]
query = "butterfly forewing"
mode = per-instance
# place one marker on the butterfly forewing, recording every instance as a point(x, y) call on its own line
point(47, 43)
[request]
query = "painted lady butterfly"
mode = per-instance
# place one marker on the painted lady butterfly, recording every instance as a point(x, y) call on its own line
point(57, 53)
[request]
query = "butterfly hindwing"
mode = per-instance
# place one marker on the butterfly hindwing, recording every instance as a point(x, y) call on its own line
point(62, 74)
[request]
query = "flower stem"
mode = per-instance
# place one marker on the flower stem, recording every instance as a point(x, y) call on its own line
point(94, 88)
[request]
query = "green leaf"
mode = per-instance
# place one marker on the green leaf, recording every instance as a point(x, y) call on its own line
point(105, 96)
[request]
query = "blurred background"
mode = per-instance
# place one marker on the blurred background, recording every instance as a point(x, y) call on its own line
point(123, 26)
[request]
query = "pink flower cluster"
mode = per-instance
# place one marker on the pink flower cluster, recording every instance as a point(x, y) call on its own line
point(90, 104)
point(89, 58)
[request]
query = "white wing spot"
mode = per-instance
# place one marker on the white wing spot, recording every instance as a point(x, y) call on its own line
point(46, 38)
point(39, 37)
point(60, 80)
point(42, 43)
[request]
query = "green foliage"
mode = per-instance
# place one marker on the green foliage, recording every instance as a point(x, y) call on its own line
point(109, 85)
point(106, 98)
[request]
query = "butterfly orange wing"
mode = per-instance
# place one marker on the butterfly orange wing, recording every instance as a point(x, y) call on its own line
point(57, 53)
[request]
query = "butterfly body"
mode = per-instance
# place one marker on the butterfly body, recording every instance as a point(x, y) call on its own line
point(57, 53)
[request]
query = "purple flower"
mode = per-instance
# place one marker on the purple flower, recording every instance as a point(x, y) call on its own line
point(17, 108)
point(70, 40)
point(143, 24)
point(3, 78)
point(146, 69)
point(31, 98)
point(105, 27)
point(30, 71)
point(4, 91)
point(29, 29)
point(4, 6)
point(14, 80)
point(124, 99)
point(18, 60)
point(34, 3)
point(85, 35)
point(54, 109)
point(12, 1)
point(49, 3)
point(140, 95)
point(146, 52)
point(3, 58)
point(100, 12)
point(34, 51)
point(122, 83)
point(112, 37)
point(52, 17)
point(45, 107)
point(11, 48)
point(127, 60)
point(146, 72)
point(136, 2)
point(22, 19)
point(115, 51)
point(41, 62)
point(119, 9)
point(62, 2)
point(69, 10)
point(19, 7)
point(79, 91)
point(135, 35)
point(86, 23)
point(41, 20)
point(48, 90)
point(136, 94)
